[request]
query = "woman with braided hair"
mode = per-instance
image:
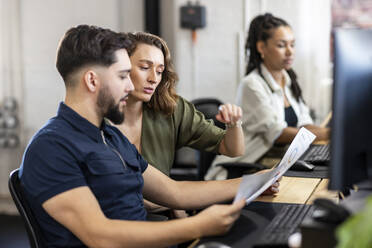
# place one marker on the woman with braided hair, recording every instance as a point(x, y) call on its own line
point(269, 94)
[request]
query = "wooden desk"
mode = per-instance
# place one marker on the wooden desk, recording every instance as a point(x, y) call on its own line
point(322, 191)
point(300, 190)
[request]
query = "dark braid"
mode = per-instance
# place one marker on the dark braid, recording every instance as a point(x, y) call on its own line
point(261, 29)
point(295, 87)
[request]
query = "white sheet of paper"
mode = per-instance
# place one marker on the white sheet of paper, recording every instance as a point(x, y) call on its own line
point(255, 184)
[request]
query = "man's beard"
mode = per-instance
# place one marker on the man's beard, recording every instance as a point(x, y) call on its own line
point(107, 107)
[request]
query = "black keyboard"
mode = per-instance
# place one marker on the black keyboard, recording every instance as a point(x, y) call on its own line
point(317, 154)
point(285, 223)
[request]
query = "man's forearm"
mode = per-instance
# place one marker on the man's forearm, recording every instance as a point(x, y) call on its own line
point(186, 195)
point(196, 195)
point(153, 207)
point(118, 233)
point(214, 220)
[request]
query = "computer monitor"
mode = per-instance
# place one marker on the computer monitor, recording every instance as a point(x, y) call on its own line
point(351, 127)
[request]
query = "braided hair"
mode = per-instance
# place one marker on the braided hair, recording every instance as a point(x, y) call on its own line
point(261, 29)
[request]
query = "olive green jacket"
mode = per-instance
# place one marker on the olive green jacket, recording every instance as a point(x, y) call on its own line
point(163, 134)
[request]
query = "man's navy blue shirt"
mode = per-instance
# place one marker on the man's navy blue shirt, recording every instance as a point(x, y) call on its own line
point(69, 152)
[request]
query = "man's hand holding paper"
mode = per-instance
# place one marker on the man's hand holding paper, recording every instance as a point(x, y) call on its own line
point(268, 181)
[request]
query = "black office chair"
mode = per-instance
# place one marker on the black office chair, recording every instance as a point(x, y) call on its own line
point(209, 107)
point(203, 160)
point(189, 163)
point(32, 227)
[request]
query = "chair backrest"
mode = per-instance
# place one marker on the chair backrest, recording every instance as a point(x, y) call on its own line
point(188, 158)
point(32, 227)
point(209, 107)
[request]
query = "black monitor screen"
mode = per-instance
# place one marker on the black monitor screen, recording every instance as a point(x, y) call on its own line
point(351, 134)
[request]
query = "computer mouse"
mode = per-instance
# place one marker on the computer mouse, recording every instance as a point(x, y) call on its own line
point(301, 165)
point(213, 244)
point(329, 212)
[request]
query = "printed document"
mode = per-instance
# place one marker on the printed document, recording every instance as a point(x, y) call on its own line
point(255, 184)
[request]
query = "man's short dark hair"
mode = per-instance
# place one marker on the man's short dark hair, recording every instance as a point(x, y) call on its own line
point(88, 45)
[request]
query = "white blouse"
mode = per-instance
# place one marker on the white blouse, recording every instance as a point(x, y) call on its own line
point(262, 102)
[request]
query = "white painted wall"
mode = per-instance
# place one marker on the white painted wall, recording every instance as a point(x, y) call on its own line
point(11, 83)
point(131, 15)
point(213, 71)
point(43, 24)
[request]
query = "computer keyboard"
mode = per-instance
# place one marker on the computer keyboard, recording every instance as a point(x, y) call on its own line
point(285, 223)
point(317, 154)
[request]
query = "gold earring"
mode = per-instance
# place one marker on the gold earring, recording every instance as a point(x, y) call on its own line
point(262, 56)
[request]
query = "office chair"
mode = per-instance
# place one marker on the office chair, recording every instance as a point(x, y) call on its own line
point(189, 163)
point(29, 220)
point(202, 159)
point(209, 107)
